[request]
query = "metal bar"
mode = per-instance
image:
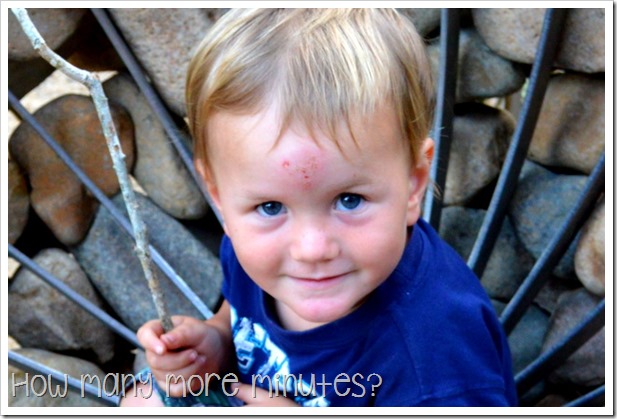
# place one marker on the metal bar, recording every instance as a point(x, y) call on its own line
point(108, 204)
point(74, 296)
point(562, 350)
point(444, 113)
point(506, 184)
point(558, 245)
point(590, 399)
point(155, 102)
point(76, 385)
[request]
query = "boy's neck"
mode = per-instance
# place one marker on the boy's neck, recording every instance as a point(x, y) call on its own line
point(289, 320)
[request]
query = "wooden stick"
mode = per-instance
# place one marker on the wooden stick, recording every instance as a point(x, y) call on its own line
point(92, 82)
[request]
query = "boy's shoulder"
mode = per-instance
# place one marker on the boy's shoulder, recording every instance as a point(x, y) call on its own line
point(431, 268)
point(453, 340)
point(434, 286)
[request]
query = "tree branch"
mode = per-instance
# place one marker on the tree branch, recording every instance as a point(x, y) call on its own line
point(92, 82)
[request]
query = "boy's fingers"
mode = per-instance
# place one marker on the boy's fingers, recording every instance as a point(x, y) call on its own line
point(174, 361)
point(185, 334)
point(179, 378)
point(152, 336)
point(149, 336)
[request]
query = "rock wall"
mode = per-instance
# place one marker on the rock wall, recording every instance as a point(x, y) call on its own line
point(55, 220)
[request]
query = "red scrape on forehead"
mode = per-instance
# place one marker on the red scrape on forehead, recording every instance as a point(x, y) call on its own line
point(301, 170)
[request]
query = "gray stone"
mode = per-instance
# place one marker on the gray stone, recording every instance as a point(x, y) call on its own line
point(12, 343)
point(40, 316)
point(508, 264)
point(55, 26)
point(526, 338)
point(480, 141)
point(23, 76)
point(590, 252)
point(425, 20)
point(107, 255)
point(95, 51)
point(540, 206)
point(38, 392)
point(164, 40)
point(481, 73)
point(515, 33)
point(19, 201)
point(570, 129)
point(552, 290)
point(57, 195)
point(158, 167)
point(87, 47)
point(586, 365)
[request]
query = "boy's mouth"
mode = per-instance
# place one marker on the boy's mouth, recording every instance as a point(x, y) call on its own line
point(323, 278)
point(320, 278)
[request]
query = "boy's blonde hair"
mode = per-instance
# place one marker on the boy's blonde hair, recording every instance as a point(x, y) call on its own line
point(321, 66)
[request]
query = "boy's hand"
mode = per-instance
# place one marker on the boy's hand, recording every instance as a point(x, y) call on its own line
point(260, 398)
point(192, 347)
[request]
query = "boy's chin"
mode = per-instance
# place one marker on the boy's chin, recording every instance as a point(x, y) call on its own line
point(309, 316)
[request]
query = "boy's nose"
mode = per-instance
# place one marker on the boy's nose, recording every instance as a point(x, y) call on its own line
point(314, 244)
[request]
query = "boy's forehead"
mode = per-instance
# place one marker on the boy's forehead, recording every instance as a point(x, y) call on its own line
point(303, 157)
point(268, 125)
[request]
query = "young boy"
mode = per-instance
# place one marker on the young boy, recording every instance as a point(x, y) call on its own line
point(311, 134)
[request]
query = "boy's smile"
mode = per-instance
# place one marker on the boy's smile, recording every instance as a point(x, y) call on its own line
point(316, 225)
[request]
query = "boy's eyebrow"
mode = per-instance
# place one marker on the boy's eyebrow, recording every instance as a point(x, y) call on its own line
point(266, 193)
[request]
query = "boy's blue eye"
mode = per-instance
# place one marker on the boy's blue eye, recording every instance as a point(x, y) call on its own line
point(349, 202)
point(270, 208)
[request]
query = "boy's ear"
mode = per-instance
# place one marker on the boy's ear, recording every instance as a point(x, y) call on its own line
point(208, 178)
point(418, 181)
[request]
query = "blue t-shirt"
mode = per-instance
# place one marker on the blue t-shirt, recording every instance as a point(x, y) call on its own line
point(428, 336)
